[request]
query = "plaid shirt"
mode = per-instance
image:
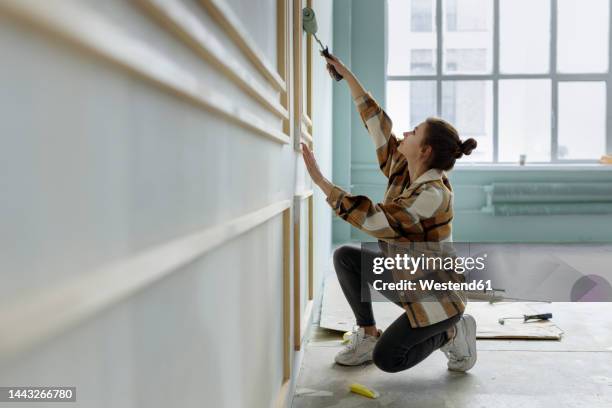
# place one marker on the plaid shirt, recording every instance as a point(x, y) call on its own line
point(420, 211)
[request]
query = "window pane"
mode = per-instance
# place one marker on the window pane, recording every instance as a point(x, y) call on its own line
point(582, 39)
point(412, 38)
point(409, 103)
point(421, 15)
point(468, 36)
point(582, 126)
point(422, 62)
point(524, 36)
point(464, 61)
point(468, 105)
point(524, 119)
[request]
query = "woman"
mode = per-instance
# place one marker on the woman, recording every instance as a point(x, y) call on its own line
point(417, 206)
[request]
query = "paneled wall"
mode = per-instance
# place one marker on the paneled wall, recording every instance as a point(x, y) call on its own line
point(161, 241)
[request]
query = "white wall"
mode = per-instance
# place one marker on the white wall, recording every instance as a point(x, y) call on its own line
point(101, 164)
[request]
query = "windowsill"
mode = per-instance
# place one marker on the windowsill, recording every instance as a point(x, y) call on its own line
point(532, 166)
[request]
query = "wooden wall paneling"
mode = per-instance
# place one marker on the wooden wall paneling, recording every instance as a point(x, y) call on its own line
point(283, 34)
point(283, 392)
point(227, 19)
point(297, 312)
point(282, 396)
point(286, 294)
point(45, 312)
point(303, 128)
point(90, 32)
point(308, 85)
point(37, 316)
point(311, 247)
point(307, 121)
point(278, 77)
point(297, 74)
point(301, 317)
point(302, 88)
point(177, 18)
point(305, 135)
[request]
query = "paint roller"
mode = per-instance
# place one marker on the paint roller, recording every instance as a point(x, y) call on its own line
point(309, 23)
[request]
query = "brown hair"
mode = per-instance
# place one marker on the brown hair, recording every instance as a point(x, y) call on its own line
point(446, 146)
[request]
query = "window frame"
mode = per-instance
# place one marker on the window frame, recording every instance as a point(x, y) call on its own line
point(495, 76)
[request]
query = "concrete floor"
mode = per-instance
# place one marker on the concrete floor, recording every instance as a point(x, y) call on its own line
point(573, 372)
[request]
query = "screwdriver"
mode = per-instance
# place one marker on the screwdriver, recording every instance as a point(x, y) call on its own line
point(543, 316)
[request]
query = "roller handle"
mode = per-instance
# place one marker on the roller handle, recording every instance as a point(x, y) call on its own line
point(543, 316)
point(332, 71)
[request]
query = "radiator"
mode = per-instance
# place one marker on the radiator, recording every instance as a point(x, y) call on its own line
point(548, 198)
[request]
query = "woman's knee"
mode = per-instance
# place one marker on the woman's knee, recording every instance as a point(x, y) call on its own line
point(342, 255)
point(384, 360)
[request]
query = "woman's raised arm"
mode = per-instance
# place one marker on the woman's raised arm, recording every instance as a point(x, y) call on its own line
point(374, 118)
point(354, 85)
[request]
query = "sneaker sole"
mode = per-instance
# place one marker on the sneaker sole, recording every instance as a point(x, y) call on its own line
point(358, 362)
point(471, 332)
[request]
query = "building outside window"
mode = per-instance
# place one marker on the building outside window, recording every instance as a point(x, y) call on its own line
point(520, 76)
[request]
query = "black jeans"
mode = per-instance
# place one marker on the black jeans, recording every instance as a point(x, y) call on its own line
point(401, 346)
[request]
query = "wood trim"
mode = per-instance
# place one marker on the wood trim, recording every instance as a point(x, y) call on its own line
point(309, 44)
point(307, 121)
point(287, 294)
point(302, 317)
point(92, 33)
point(305, 134)
point(302, 111)
point(283, 34)
point(306, 138)
point(281, 397)
point(297, 296)
point(282, 37)
point(310, 247)
point(191, 30)
point(307, 314)
point(304, 194)
point(40, 314)
point(297, 72)
point(301, 326)
point(232, 25)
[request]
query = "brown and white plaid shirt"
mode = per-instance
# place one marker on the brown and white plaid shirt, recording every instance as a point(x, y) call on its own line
point(418, 211)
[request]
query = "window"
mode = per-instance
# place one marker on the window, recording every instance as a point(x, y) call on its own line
point(421, 16)
point(522, 77)
point(422, 61)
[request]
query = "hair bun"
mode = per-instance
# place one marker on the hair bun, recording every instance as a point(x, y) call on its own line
point(468, 145)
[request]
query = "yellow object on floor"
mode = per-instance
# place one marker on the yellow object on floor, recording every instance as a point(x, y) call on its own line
point(363, 390)
point(345, 337)
point(606, 159)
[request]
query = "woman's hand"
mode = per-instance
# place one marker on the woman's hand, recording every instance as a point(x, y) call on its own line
point(315, 173)
point(313, 169)
point(335, 62)
point(356, 88)
point(311, 165)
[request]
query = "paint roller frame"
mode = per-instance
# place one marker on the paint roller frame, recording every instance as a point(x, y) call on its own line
point(309, 24)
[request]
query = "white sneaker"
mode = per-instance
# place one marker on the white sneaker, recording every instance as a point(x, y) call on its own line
point(358, 350)
point(461, 350)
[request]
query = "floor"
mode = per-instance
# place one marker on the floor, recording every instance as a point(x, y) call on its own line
point(574, 372)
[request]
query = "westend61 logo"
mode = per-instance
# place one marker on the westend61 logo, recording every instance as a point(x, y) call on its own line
point(412, 264)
